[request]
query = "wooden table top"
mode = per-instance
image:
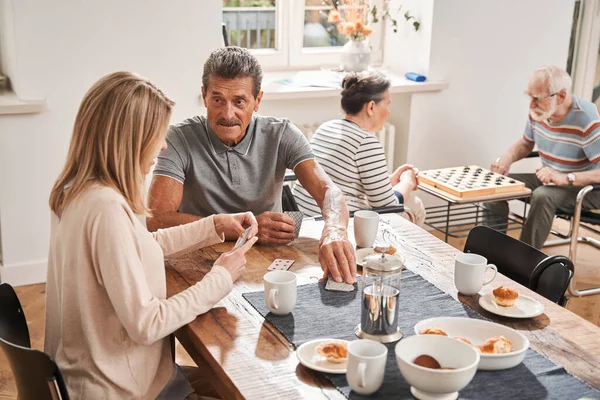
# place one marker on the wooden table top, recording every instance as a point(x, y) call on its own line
point(253, 360)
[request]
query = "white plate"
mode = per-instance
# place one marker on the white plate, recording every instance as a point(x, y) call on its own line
point(478, 331)
point(308, 356)
point(362, 253)
point(524, 307)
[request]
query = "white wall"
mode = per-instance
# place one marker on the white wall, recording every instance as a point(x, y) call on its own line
point(486, 50)
point(407, 50)
point(61, 48)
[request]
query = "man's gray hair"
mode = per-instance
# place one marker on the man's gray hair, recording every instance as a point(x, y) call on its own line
point(230, 63)
point(556, 78)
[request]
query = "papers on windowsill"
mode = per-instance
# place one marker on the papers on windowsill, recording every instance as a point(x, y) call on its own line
point(321, 78)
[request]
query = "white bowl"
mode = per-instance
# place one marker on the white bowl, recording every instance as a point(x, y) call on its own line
point(478, 331)
point(436, 383)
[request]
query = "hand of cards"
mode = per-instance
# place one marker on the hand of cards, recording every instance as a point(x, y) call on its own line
point(243, 238)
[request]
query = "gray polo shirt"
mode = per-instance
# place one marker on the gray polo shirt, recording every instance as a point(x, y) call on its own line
point(220, 179)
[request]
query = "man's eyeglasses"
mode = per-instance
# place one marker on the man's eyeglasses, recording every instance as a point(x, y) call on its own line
point(540, 99)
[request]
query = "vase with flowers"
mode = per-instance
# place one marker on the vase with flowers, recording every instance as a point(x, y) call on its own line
point(353, 18)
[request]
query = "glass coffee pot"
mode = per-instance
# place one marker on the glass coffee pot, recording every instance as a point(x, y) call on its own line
point(381, 277)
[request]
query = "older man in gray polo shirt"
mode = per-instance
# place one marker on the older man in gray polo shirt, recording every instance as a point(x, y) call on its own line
point(233, 160)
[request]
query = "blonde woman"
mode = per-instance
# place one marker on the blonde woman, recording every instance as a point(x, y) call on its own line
point(107, 315)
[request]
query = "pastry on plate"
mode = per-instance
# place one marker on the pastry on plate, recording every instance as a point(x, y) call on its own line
point(334, 352)
point(462, 339)
point(505, 296)
point(434, 331)
point(391, 250)
point(496, 345)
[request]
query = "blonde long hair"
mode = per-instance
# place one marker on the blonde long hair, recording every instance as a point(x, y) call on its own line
point(119, 122)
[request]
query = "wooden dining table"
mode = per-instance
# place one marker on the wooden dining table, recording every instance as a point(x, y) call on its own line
point(252, 360)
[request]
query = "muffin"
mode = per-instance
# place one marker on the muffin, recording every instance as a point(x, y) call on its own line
point(434, 331)
point(505, 296)
point(496, 345)
point(333, 352)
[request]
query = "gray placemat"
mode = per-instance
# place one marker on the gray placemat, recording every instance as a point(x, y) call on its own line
point(321, 313)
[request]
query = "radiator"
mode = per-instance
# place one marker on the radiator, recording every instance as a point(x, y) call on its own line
point(386, 137)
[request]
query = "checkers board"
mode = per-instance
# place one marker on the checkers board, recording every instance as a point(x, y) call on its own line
point(470, 181)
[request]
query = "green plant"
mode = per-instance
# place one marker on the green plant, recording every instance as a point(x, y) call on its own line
point(386, 15)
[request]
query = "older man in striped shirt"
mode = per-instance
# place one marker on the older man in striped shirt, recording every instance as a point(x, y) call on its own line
point(566, 131)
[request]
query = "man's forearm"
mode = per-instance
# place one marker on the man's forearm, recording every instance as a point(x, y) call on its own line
point(517, 151)
point(167, 219)
point(335, 211)
point(587, 178)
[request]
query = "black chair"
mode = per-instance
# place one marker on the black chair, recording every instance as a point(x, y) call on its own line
point(224, 33)
point(548, 276)
point(575, 218)
point(36, 374)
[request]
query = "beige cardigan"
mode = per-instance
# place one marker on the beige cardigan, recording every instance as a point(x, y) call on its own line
point(107, 315)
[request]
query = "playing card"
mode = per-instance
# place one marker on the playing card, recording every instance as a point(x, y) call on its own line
point(280, 265)
point(297, 216)
point(338, 286)
point(243, 238)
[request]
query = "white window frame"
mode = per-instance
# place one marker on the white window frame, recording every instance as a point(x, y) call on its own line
point(585, 55)
point(289, 52)
point(271, 59)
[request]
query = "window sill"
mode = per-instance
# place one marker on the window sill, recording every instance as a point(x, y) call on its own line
point(288, 85)
point(11, 104)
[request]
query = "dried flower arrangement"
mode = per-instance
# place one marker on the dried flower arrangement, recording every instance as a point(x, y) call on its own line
point(353, 17)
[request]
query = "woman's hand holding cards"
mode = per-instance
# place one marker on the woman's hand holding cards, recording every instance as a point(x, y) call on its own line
point(234, 261)
point(234, 225)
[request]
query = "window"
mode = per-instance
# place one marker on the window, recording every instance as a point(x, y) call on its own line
point(291, 33)
point(584, 50)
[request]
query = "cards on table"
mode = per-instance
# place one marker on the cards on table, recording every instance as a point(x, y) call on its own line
point(338, 286)
point(280, 265)
point(243, 238)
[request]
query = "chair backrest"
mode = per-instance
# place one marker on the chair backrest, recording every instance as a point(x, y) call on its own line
point(551, 278)
point(36, 374)
point(224, 33)
point(288, 202)
point(547, 275)
point(13, 325)
point(513, 258)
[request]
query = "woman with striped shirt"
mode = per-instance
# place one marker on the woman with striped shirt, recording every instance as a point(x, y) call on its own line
point(353, 157)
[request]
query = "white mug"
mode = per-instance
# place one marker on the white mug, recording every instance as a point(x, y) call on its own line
point(366, 365)
point(280, 291)
point(469, 272)
point(366, 223)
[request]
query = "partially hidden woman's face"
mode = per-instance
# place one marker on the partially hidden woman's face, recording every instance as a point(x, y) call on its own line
point(381, 111)
point(157, 147)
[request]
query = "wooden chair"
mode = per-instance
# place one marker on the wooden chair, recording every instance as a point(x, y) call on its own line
point(549, 276)
point(36, 374)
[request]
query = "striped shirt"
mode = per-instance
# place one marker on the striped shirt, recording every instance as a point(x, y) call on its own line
point(355, 162)
point(571, 145)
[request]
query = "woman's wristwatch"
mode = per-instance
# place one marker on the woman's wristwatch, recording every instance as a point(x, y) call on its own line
point(571, 178)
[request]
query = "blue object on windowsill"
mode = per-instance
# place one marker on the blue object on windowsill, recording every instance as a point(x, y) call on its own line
point(412, 76)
